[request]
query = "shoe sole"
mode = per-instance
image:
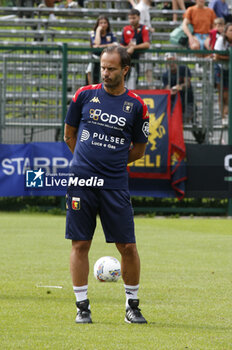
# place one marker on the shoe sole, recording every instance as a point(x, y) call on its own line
point(127, 321)
point(87, 322)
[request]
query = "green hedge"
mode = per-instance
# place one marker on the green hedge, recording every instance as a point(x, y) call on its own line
point(142, 205)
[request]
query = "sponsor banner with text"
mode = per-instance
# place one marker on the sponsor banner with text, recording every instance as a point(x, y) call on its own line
point(37, 168)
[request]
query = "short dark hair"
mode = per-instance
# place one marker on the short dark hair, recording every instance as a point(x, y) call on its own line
point(125, 58)
point(134, 12)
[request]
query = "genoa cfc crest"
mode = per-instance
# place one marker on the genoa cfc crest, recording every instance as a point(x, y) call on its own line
point(76, 203)
point(127, 107)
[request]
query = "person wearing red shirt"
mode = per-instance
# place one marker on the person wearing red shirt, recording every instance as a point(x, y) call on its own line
point(135, 36)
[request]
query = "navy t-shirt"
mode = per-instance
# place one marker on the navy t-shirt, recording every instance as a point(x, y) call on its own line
point(107, 125)
point(109, 38)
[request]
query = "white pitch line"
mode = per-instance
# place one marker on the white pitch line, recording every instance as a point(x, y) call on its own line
point(59, 287)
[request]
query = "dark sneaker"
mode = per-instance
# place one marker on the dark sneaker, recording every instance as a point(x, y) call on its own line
point(133, 314)
point(83, 312)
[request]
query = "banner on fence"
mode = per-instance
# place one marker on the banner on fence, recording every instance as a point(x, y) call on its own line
point(165, 151)
point(36, 169)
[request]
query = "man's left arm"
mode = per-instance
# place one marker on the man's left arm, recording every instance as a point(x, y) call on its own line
point(122, 40)
point(142, 46)
point(136, 152)
point(140, 133)
point(146, 39)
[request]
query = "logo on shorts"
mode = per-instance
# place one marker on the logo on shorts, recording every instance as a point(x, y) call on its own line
point(76, 203)
point(35, 178)
point(127, 107)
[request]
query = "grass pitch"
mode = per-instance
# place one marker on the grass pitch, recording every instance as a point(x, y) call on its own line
point(185, 288)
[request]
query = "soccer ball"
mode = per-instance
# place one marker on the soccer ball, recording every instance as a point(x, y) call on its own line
point(107, 269)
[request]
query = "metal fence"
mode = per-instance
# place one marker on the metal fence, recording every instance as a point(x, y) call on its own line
point(38, 82)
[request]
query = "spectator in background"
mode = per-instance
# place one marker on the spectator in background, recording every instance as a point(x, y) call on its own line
point(218, 29)
point(221, 9)
point(177, 78)
point(176, 5)
point(143, 6)
point(224, 42)
point(219, 25)
point(101, 37)
point(50, 4)
point(135, 36)
point(202, 19)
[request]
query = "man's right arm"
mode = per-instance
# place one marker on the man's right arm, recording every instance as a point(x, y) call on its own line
point(70, 136)
point(122, 40)
point(72, 119)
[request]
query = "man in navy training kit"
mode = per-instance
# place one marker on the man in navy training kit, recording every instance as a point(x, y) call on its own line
point(106, 128)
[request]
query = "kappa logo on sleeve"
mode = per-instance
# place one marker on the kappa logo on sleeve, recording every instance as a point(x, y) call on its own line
point(95, 99)
point(76, 203)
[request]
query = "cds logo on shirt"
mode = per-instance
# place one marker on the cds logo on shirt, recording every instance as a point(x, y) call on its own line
point(98, 115)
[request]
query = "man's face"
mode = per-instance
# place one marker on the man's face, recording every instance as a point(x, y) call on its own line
point(112, 73)
point(134, 20)
point(172, 64)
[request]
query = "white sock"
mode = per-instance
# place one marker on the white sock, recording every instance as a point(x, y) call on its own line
point(131, 292)
point(80, 292)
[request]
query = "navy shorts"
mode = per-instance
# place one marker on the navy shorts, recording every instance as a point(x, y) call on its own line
point(114, 208)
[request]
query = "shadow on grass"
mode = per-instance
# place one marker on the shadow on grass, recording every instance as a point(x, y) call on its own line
point(190, 326)
point(164, 325)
